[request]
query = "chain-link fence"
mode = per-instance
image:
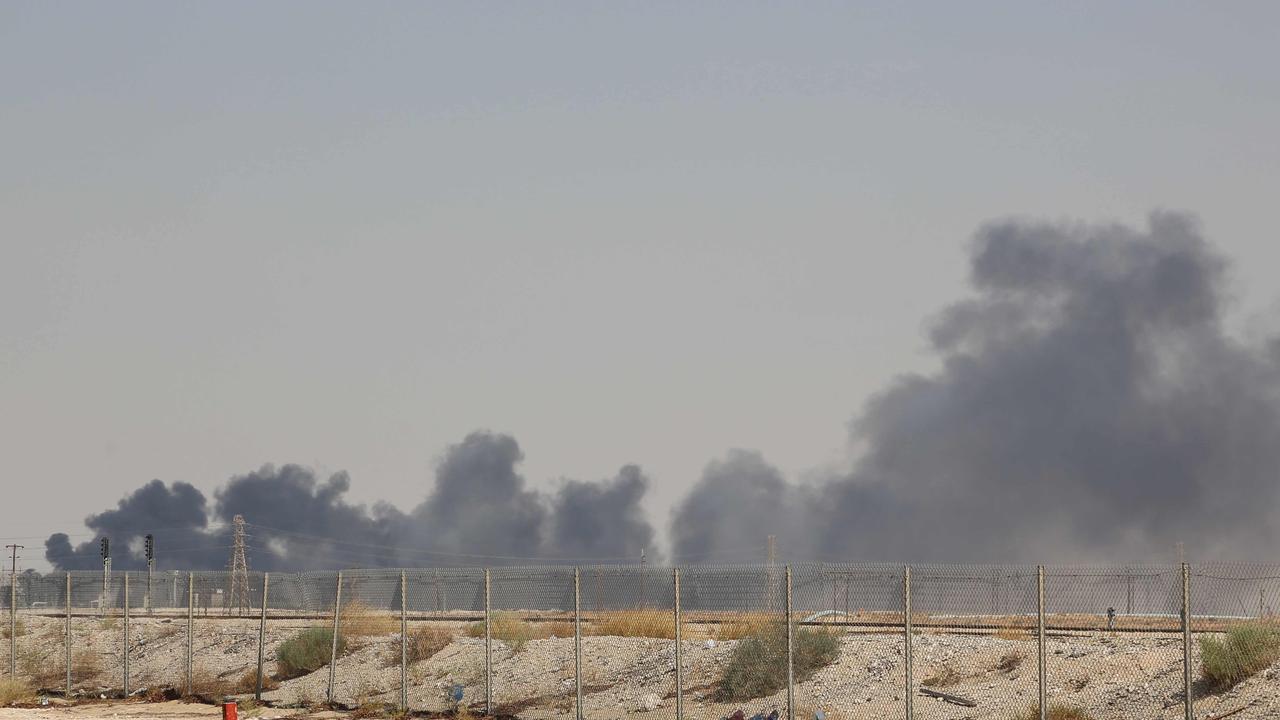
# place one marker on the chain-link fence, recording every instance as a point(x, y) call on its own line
point(941, 642)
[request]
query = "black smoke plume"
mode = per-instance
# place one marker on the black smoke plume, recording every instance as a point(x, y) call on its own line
point(1090, 406)
point(178, 513)
point(604, 519)
point(479, 512)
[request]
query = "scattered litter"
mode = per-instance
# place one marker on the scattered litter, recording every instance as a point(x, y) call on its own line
point(948, 697)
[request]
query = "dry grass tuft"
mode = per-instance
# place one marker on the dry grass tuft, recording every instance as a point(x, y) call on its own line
point(15, 692)
point(43, 668)
point(85, 665)
point(368, 710)
point(557, 629)
point(1009, 662)
point(424, 643)
point(5, 629)
point(205, 683)
point(358, 619)
point(248, 682)
point(1013, 634)
point(633, 623)
point(744, 626)
point(511, 629)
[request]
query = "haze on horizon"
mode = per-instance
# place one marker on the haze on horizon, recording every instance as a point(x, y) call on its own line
point(348, 237)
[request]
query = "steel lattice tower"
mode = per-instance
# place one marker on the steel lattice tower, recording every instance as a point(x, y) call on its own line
point(239, 598)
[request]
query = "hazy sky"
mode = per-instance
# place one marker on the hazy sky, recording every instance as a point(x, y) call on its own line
point(345, 235)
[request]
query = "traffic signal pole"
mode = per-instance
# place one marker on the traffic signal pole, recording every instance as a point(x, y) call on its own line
point(106, 576)
point(151, 568)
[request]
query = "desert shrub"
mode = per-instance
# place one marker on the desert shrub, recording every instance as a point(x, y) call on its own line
point(633, 623)
point(424, 643)
point(15, 692)
point(1056, 712)
point(945, 675)
point(1244, 650)
point(306, 652)
point(758, 665)
point(358, 619)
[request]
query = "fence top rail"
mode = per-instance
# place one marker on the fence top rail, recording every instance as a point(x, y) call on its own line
point(1213, 571)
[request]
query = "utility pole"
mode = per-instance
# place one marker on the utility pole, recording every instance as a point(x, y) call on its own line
point(239, 568)
point(13, 609)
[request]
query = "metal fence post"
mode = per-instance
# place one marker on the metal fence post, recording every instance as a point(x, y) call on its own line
point(577, 644)
point(488, 648)
point(906, 651)
point(404, 640)
point(67, 638)
point(125, 654)
point(333, 649)
point(262, 635)
point(679, 649)
point(191, 627)
point(1040, 655)
point(791, 689)
point(1188, 701)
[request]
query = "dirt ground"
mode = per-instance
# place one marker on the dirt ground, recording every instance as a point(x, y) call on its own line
point(1111, 676)
point(134, 710)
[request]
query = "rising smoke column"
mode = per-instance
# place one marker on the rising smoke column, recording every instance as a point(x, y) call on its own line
point(602, 519)
point(1089, 406)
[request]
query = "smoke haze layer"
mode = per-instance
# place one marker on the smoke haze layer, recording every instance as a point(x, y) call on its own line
point(1089, 405)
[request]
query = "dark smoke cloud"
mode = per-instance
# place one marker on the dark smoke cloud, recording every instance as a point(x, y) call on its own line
point(1090, 405)
point(603, 519)
point(480, 504)
point(302, 522)
point(737, 504)
point(176, 514)
point(479, 511)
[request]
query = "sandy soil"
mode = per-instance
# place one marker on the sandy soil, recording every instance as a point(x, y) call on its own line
point(1113, 677)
